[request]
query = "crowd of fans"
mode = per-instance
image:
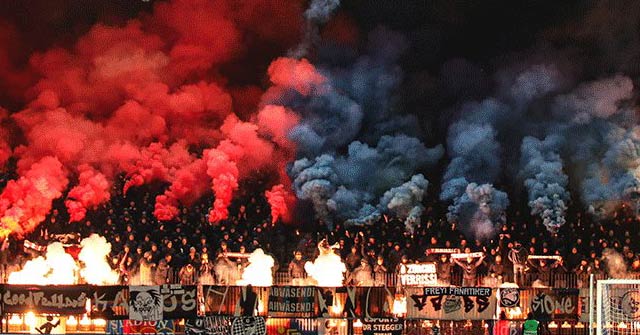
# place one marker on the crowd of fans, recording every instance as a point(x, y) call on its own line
point(189, 249)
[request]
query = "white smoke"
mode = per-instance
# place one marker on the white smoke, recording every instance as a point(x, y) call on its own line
point(258, 272)
point(55, 268)
point(616, 266)
point(96, 269)
point(327, 270)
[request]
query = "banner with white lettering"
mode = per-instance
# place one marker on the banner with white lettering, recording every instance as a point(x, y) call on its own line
point(382, 326)
point(110, 302)
point(556, 304)
point(59, 299)
point(179, 301)
point(249, 325)
point(364, 302)
point(291, 301)
point(122, 327)
point(451, 303)
point(235, 300)
point(421, 274)
point(145, 303)
point(209, 325)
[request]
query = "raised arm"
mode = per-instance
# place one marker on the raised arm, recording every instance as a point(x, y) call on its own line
point(457, 262)
point(479, 261)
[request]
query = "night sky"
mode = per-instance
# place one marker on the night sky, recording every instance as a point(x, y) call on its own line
point(495, 84)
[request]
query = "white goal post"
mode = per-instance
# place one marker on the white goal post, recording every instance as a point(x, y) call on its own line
point(617, 307)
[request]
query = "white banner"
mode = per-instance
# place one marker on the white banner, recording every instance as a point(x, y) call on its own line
point(471, 254)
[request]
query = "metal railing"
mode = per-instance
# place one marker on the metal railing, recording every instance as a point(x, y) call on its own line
point(554, 280)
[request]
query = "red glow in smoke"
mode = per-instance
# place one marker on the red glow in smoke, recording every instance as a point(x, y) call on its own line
point(93, 189)
point(25, 202)
point(148, 99)
point(277, 199)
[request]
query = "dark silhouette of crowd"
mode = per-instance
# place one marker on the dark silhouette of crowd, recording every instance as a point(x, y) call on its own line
point(190, 250)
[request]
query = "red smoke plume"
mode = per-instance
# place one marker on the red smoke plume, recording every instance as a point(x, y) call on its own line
point(278, 198)
point(153, 99)
point(25, 202)
point(224, 173)
point(296, 74)
point(92, 190)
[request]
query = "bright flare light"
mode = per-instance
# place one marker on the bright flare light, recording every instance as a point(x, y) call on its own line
point(400, 306)
point(327, 270)
point(56, 268)
point(30, 319)
point(258, 272)
point(72, 321)
point(96, 270)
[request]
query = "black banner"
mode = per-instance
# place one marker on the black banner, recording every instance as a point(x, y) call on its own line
point(60, 299)
point(451, 303)
point(557, 304)
point(365, 302)
point(382, 326)
point(180, 301)
point(509, 297)
point(291, 301)
point(458, 291)
point(219, 300)
point(110, 302)
point(209, 325)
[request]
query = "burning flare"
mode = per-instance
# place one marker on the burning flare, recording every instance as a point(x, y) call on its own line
point(96, 270)
point(258, 272)
point(328, 269)
point(55, 268)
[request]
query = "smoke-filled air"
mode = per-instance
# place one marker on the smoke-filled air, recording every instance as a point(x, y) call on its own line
point(344, 117)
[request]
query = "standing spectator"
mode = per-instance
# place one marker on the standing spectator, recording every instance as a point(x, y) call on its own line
point(496, 270)
point(502, 326)
point(243, 261)
point(543, 272)
point(226, 270)
point(362, 275)
point(530, 326)
point(163, 270)
point(146, 269)
point(370, 257)
point(394, 256)
point(155, 253)
point(598, 270)
point(380, 272)
point(296, 269)
point(353, 259)
point(573, 260)
point(518, 257)
point(129, 269)
point(560, 275)
point(469, 270)
point(401, 269)
point(205, 273)
point(193, 257)
point(187, 275)
point(443, 268)
point(224, 248)
point(582, 273)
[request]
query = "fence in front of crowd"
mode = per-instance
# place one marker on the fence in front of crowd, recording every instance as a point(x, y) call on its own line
point(559, 280)
point(196, 309)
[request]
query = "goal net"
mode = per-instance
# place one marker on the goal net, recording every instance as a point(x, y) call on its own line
point(618, 307)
